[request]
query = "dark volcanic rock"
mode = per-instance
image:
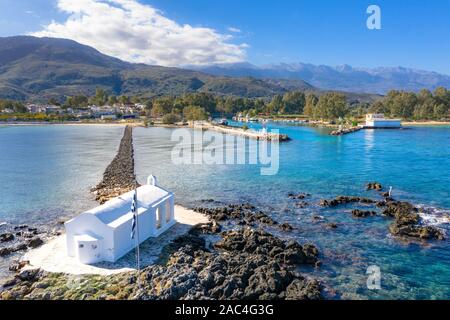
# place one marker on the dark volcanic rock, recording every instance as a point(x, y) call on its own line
point(250, 264)
point(260, 242)
point(341, 200)
point(363, 213)
point(17, 265)
point(118, 177)
point(286, 227)
point(6, 237)
point(374, 186)
point(301, 289)
point(301, 204)
point(5, 251)
point(35, 242)
point(408, 223)
point(299, 196)
point(416, 231)
point(244, 214)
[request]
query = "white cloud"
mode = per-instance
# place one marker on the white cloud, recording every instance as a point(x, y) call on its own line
point(135, 32)
point(235, 30)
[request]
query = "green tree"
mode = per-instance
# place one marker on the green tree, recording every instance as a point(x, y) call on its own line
point(112, 100)
point(293, 102)
point(331, 106)
point(440, 111)
point(162, 106)
point(171, 118)
point(194, 113)
point(310, 105)
point(100, 98)
point(276, 105)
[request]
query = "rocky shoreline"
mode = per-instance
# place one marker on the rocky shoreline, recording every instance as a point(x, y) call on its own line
point(243, 264)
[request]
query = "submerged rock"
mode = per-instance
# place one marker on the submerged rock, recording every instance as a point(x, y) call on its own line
point(5, 251)
point(341, 200)
point(6, 237)
point(363, 213)
point(299, 196)
point(332, 225)
point(374, 186)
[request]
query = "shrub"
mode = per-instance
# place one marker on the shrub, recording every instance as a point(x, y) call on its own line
point(171, 118)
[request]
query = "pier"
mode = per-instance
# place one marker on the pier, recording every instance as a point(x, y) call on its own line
point(258, 135)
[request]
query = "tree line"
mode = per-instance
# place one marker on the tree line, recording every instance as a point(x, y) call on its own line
point(424, 105)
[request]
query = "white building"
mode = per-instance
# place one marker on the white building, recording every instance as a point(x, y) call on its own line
point(379, 121)
point(108, 117)
point(104, 233)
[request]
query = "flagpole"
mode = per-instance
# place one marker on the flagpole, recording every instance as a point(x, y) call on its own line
point(137, 239)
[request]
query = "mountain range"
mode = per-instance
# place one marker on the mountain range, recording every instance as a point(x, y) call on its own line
point(344, 78)
point(37, 69)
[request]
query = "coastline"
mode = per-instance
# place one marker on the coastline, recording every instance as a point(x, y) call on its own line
point(71, 123)
point(426, 123)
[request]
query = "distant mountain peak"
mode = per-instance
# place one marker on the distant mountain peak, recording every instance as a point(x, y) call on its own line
point(343, 77)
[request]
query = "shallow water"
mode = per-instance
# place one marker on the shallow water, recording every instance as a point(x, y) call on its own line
point(414, 161)
point(49, 169)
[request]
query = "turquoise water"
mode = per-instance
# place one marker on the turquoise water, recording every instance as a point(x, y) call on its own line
point(46, 173)
point(414, 161)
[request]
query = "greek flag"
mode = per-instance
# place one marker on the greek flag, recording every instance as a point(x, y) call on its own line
point(134, 211)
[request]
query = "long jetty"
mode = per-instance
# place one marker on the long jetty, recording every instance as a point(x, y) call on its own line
point(263, 136)
point(119, 176)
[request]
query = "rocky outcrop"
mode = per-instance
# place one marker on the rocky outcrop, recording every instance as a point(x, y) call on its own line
point(298, 196)
point(341, 200)
point(363, 213)
point(21, 238)
point(374, 186)
point(263, 269)
point(119, 176)
point(243, 215)
point(6, 237)
point(407, 222)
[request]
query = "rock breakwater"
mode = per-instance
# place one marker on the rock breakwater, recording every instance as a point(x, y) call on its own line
point(119, 176)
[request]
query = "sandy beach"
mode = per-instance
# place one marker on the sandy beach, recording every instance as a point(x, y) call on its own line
point(117, 124)
point(426, 123)
point(52, 256)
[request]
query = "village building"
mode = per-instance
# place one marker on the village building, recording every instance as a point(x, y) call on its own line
point(378, 121)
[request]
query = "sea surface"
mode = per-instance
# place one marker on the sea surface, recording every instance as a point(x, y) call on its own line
point(415, 162)
point(46, 173)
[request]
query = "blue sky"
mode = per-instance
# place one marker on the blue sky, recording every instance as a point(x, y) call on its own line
point(415, 33)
